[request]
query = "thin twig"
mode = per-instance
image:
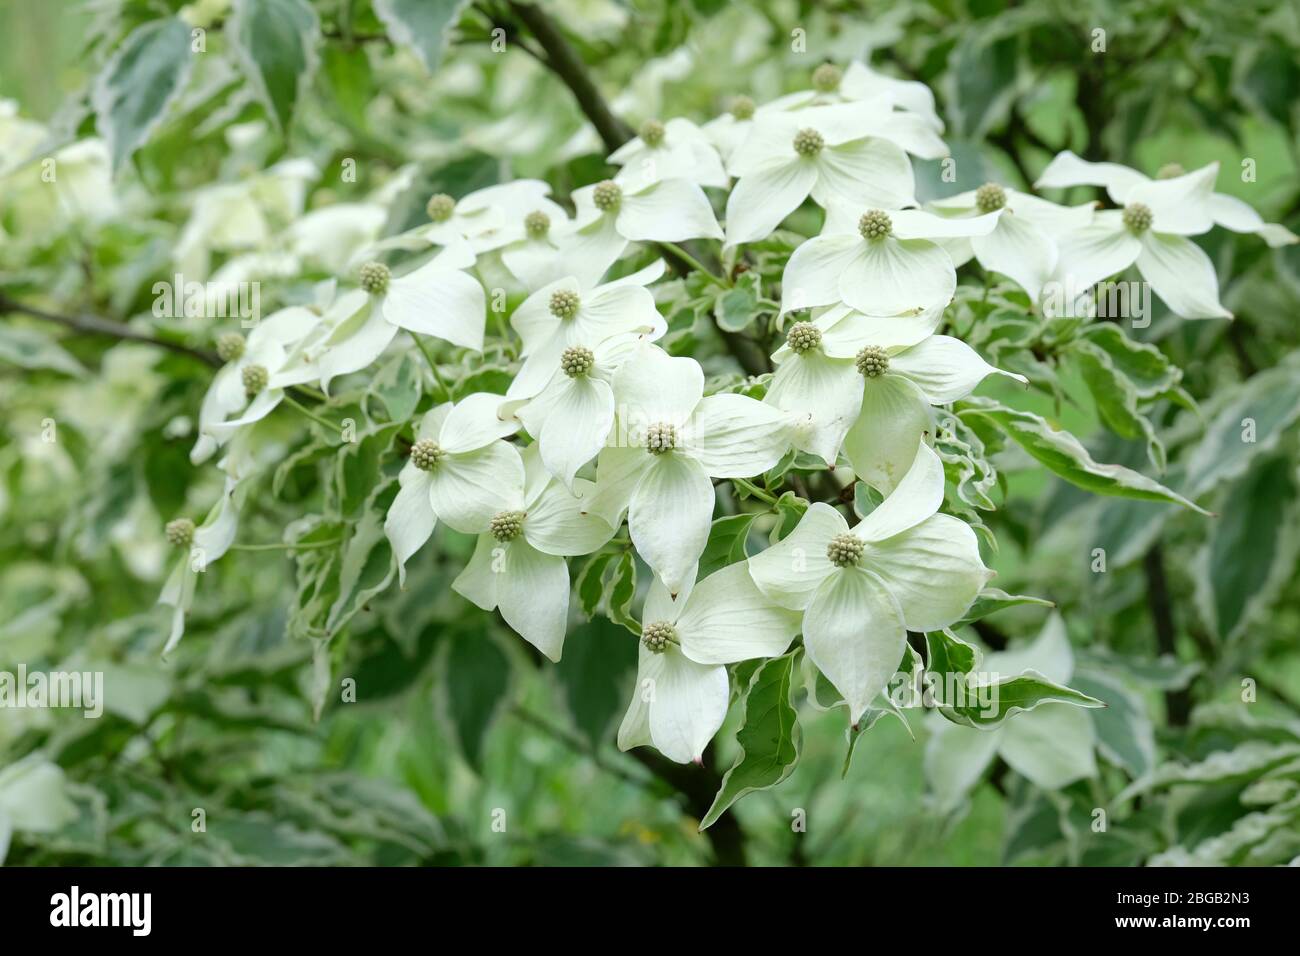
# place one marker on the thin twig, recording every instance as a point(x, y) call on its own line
point(93, 325)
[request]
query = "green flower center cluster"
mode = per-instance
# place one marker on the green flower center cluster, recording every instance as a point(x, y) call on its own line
point(872, 361)
point(506, 525)
point(1137, 216)
point(875, 224)
point(1170, 171)
point(577, 360)
point(990, 197)
point(180, 532)
point(607, 196)
point(373, 277)
point(742, 108)
point(564, 303)
point(826, 78)
point(537, 224)
point(230, 346)
point(657, 635)
point(440, 207)
point(255, 378)
point(844, 550)
point(652, 132)
point(803, 336)
point(426, 453)
point(660, 437)
point(808, 142)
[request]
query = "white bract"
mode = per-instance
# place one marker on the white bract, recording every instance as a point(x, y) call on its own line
point(680, 697)
point(1150, 232)
point(676, 149)
point(877, 262)
point(518, 563)
point(828, 153)
point(903, 567)
point(569, 312)
point(1051, 745)
point(668, 441)
point(199, 547)
point(460, 471)
point(245, 383)
point(1022, 245)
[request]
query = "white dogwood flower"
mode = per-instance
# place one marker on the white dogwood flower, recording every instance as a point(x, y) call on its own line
point(668, 441)
point(859, 82)
point(681, 692)
point(672, 149)
point(879, 263)
point(572, 416)
point(1067, 169)
point(200, 546)
point(827, 153)
point(727, 131)
point(518, 563)
point(1150, 232)
point(641, 209)
point(1022, 245)
point(460, 472)
point(1051, 745)
point(568, 313)
point(244, 382)
point(903, 567)
point(480, 213)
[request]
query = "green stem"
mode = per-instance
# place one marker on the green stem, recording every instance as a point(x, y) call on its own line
point(304, 546)
point(437, 379)
point(754, 490)
point(694, 263)
point(312, 415)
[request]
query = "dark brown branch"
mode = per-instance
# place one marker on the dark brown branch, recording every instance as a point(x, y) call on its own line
point(1178, 703)
point(93, 325)
point(564, 63)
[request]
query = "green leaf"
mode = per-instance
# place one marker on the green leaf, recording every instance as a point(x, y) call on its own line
point(738, 306)
point(1145, 367)
point(275, 42)
point(946, 654)
point(1063, 454)
point(1116, 399)
point(790, 509)
point(1251, 554)
point(985, 705)
point(1125, 734)
point(591, 582)
point(992, 600)
point(769, 739)
point(597, 656)
point(475, 675)
point(726, 544)
point(622, 589)
point(137, 85)
point(982, 79)
point(1244, 762)
point(420, 25)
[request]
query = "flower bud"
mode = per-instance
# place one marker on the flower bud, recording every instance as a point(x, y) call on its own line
point(1137, 216)
point(564, 303)
point(373, 277)
point(875, 224)
point(506, 525)
point(844, 549)
point(872, 361)
point(990, 197)
point(657, 635)
point(426, 453)
point(742, 108)
point(808, 142)
point(230, 346)
point(803, 336)
point(652, 132)
point(607, 196)
point(179, 532)
point(255, 378)
point(660, 437)
point(440, 207)
point(577, 361)
point(826, 78)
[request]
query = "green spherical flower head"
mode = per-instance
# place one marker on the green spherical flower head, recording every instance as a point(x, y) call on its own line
point(255, 378)
point(506, 525)
point(875, 224)
point(426, 453)
point(657, 635)
point(564, 304)
point(660, 437)
point(808, 142)
point(537, 224)
point(1137, 216)
point(607, 196)
point(742, 108)
point(230, 346)
point(577, 361)
point(826, 78)
point(180, 532)
point(440, 207)
point(873, 361)
point(803, 336)
point(990, 197)
point(373, 277)
point(1170, 171)
point(652, 132)
point(844, 550)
